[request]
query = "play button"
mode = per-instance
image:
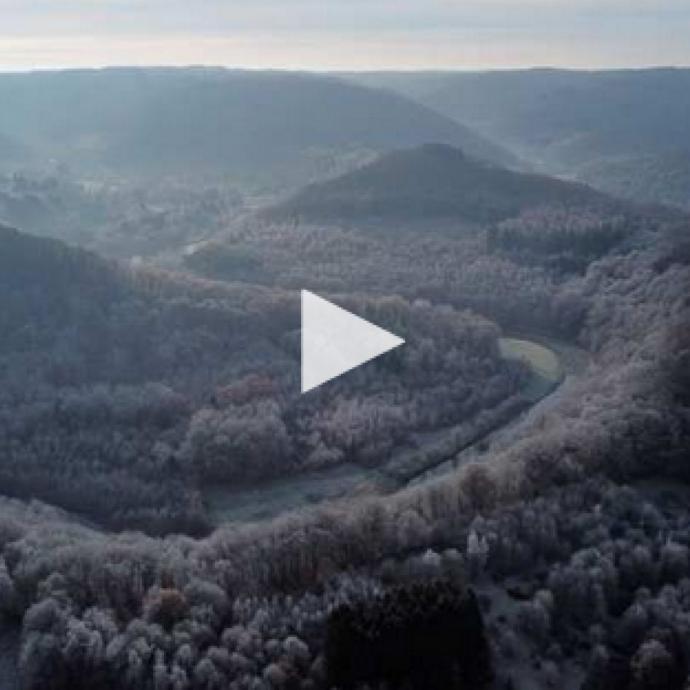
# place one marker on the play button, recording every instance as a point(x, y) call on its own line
point(335, 341)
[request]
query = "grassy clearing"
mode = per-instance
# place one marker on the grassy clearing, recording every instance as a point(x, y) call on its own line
point(265, 501)
point(545, 364)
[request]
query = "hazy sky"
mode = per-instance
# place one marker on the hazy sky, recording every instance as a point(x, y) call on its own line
point(345, 34)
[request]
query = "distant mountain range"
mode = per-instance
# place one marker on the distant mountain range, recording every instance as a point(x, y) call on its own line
point(568, 122)
point(195, 121)
point(431, 183)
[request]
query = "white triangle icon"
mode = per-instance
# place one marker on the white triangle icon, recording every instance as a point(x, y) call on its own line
point(335, 341)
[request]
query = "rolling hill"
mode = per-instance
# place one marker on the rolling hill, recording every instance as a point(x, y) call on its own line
point(431, 183)
point(96, 361)
point(187, 122)
point(568, 122)
point(125, 392)
point(141, 411)
point(563, 117)
point(663, 178)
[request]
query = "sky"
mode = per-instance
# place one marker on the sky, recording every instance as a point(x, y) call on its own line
point(345, 34)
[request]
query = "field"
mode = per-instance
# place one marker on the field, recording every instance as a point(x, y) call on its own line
point(285, 495)
point(545, 364)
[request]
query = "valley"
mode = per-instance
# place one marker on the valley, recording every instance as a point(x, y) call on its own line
point(567, 122)
point(175, 515)
point(347, 481)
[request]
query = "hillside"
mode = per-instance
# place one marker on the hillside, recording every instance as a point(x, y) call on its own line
point(663, 178)
point(99, 366)
point(432, 223)
point(430, 183)
point(561, 120)
point(117, 219)
point(124, 393)
point(501, 503)
point(572, 530)
point(193, 121)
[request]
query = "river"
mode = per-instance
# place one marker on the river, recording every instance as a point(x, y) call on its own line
point(550, 361)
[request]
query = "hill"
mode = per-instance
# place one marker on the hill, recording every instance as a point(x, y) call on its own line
point(193, 121)
point(127, 393)
point(433, 223)
point(584, 500)
point(563, 120)
point(663, 178)
point(98, 361)
point(430, 183)
point(124, 393)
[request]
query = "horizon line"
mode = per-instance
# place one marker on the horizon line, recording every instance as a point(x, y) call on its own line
point(342, 70)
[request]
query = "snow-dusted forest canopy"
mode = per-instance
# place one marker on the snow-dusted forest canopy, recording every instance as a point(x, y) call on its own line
point(500, 503)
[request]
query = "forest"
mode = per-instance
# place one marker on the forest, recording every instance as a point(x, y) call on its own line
point(150, 356)
point(570, 123)
point(123, 404)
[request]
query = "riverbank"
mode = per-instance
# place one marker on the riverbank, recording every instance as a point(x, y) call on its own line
point(550, 363)
point(553, 363)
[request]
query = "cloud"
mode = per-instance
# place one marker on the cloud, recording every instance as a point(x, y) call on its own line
point(319, 33)
point(212, 16)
